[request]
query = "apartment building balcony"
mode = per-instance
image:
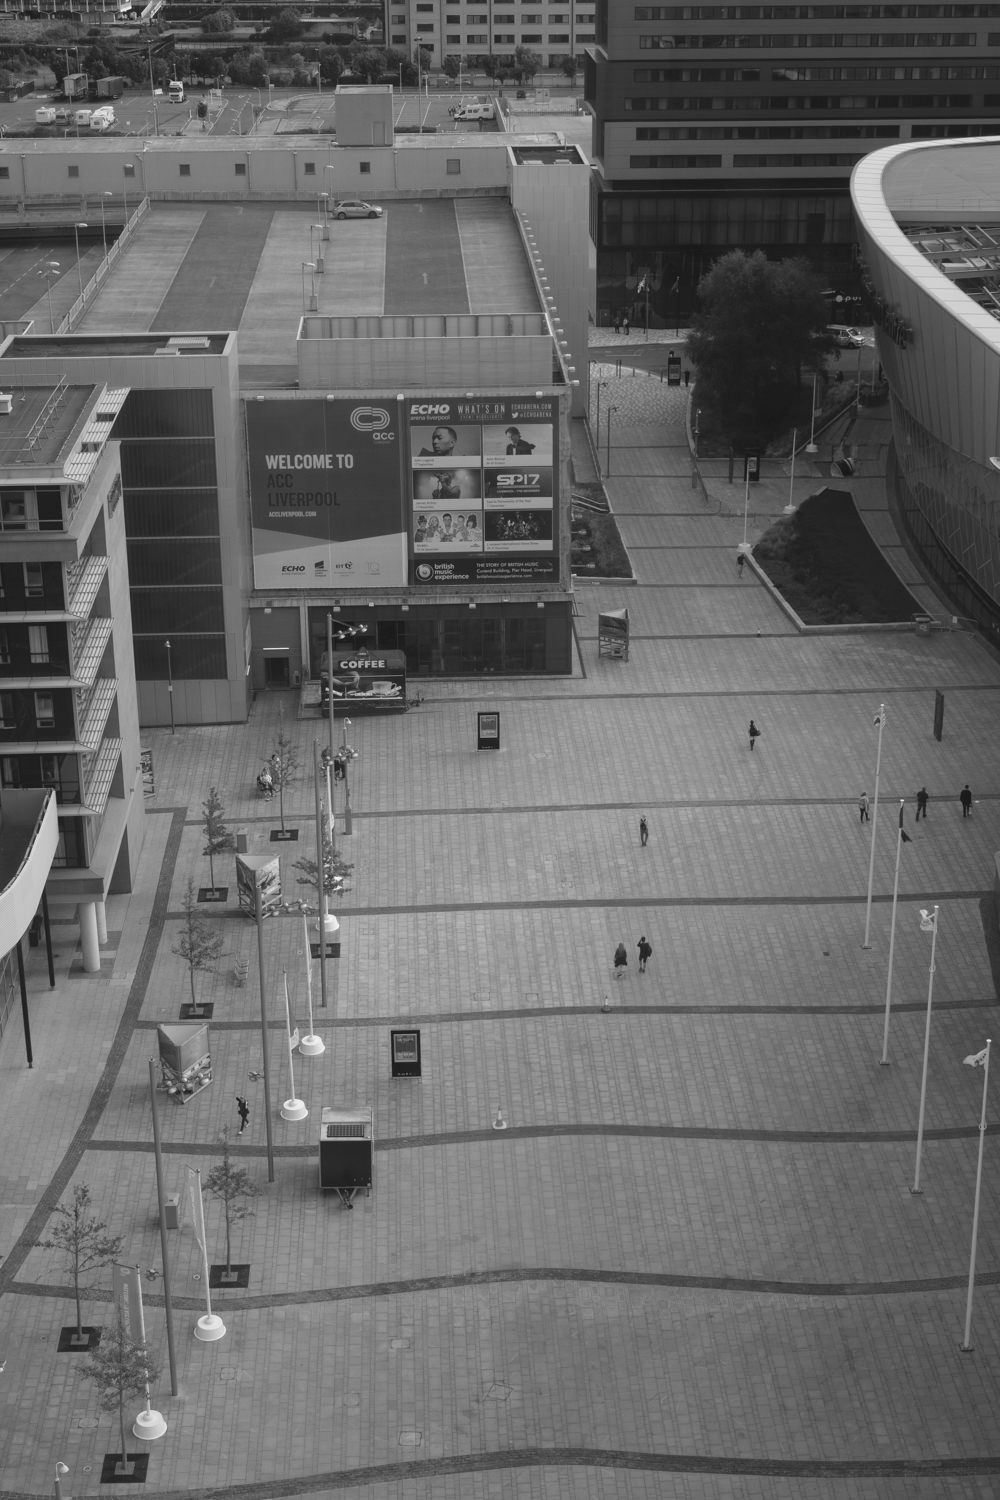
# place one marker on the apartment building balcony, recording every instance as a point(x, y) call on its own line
point(29, 837)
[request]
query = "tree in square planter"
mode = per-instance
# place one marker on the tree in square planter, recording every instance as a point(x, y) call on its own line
point(199, 947)
point(233, 1187)
point(85, 1244)
point(284, 765)
point(121, 1368)
point(218, 839)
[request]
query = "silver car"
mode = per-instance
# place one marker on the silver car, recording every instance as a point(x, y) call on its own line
point(356, 208)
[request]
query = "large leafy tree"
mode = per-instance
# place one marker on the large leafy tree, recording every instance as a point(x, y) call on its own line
point(83, 1240)
point(760, 326)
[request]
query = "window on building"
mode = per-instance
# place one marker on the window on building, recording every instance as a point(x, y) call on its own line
point(240, 169)
point(185, 169)
point(309, 169)
point(33, 585)
point(453, 166)
point(4, 647)
point(7, 720)
point(453, 39)
point(72, 171)
point(16, 510)
point(425, 27)
point(478, 39)
point(364, 168)
point(45, 711)
point(4, 171)
point(38, 644)
point(128, 169)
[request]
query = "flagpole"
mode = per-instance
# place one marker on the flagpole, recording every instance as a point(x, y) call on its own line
point(884, 1059)
point(168, 1305)
point(293, 1108)
point(311, 1045)
point(928, 923)
point(149, 1424)
point(210, 1326)
point(880, 724)
point(966, 1345)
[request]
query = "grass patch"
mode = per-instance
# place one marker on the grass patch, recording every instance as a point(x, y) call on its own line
point(823, 561)
point(596, 549)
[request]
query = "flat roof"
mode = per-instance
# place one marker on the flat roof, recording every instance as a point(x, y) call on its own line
point(249, 267)
point(86, 345)
point(41, 423)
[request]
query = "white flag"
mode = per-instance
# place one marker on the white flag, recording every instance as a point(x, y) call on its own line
point(977, 1059)
point(197, 1208)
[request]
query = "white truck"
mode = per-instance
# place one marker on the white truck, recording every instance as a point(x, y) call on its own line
point(176, 91)
point(102, 119)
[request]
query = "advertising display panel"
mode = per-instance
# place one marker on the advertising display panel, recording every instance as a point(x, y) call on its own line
point(483, 488)
point(325, 494)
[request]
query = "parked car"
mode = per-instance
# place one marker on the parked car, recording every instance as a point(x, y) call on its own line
point(846, 338)
point(356, 208)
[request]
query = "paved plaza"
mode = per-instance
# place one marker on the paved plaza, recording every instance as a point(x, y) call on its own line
point(691, 1266)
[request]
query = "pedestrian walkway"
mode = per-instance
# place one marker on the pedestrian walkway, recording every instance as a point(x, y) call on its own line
point(691, 1263)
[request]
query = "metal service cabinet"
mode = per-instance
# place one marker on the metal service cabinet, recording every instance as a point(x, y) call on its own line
point(346, 1148)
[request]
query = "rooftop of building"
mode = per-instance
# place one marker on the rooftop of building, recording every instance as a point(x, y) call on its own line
point(255, 268)
point(42, 422)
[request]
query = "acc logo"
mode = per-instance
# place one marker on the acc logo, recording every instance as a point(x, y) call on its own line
point(428, 409)
point(369, 419)
point(293, 568)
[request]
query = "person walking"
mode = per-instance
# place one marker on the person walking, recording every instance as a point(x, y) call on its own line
point(643, 831)
point(687, 377)
point(741, 559)
point(645, 952)
point(754, 734)
point(244, 1109)
point(921, 805)
point(618, 322)
point(621, 961)
point(965, 797)
point(863, 807)
point(625, 325)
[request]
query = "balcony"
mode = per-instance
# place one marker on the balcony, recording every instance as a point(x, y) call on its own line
point(29, 836)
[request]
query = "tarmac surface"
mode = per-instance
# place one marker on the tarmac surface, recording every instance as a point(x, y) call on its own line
point(691, 1266)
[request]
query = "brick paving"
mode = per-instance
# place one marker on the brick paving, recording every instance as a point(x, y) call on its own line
point(691, 1267)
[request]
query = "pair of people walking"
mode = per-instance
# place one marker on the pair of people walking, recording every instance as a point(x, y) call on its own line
point(621, 957)
point(964, 797)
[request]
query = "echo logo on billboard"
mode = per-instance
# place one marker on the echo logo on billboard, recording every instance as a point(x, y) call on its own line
point(373, 419)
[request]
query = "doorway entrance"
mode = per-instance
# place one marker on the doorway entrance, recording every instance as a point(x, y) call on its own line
point(276, 670)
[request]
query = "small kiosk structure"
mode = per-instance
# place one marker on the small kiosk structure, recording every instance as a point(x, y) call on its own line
point(185, 1061)
point(612, 633)
point(258, 871)
point(346, 1147)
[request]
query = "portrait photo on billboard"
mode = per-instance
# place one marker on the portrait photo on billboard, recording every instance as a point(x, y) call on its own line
point(444, 440)
point(530, 486)
point(518, 441)
point(432, 486)
point(518, 530)
point(448, 531)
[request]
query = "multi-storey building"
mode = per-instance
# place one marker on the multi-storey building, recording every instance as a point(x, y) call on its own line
point(721, 126)
point(68, 720)
point(470, 29)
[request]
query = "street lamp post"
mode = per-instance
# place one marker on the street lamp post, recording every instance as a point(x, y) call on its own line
point(980, 1059)
point(607, 467)
point(928, 923)
point(308, 265)
point(811, 445)
point(104, 227)
point(76, 236)
point(317, 259)
point(323, 212)
point(879, 722)
point(170, 686)
point(266, 1067)
point(61, 1469)
point(746, 498)
point(51, 267)
point(597, 426)
point(900, 837)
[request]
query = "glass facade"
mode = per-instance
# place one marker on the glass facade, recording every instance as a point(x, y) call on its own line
point(950, 506)
point(461, 642)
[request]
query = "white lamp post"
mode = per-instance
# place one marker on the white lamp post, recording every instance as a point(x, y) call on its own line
point(977, 1060)
point(790, 507)
point(76, 236)
point(310, 1045)
point(61, 1469)
point(104, 227)
point(607, 468)
point(49, 271)
point(323, 212)
point(928, 923)
point(308, 265)
point(901, 837)
point(293, 1108)
point(879, 722)
point(320, 264)
point(746, 500)
point(811, 445)
point(209, 1326)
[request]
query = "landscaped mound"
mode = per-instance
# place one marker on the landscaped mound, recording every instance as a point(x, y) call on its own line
point(823, 561)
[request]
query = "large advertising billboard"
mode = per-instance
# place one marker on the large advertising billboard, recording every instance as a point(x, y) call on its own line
point(483, 483)
point(325, 494)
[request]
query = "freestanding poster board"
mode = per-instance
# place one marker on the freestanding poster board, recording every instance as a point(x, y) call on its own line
point(258, 870)
point(612, 633)
point(185, 1060)
point(346, 1146)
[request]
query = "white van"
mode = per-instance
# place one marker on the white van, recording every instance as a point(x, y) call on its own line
point(46, 115)
point(474, 112)
point(102, 119)
point(82, 118)
point(845, 337)
point(176, 93)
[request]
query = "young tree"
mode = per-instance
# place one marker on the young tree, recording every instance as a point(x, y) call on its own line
point(218, 838)
point(526, 63)
point(335, 869)
point(83, 1240)
point(284, 767)
point(121, 1368)
point(568, 67)
point(759, 325)
point(451, 67)
point(233, 1188)
point(197, 945)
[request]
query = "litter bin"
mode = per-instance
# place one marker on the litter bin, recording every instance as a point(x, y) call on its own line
point(172, 1211)
point(241, 843)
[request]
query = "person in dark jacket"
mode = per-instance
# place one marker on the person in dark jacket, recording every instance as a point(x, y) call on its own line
point(621, 961)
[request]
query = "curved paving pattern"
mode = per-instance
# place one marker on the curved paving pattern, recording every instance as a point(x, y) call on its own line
point(691, 1265)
